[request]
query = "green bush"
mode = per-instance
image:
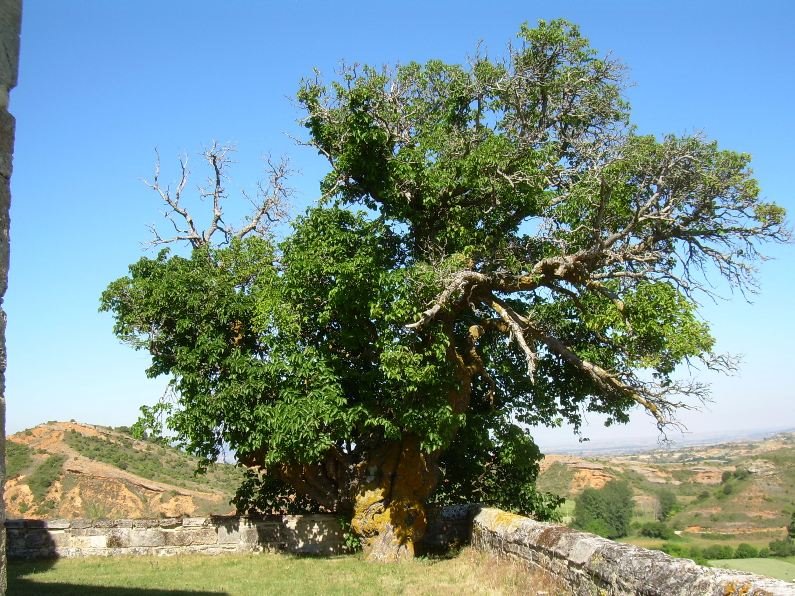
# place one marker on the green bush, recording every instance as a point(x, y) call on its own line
point(680, 550)
point(782, 548)
point(668, 504)
point(745, 551)
point(606, 511)
point(656, 530)
point(719, 551)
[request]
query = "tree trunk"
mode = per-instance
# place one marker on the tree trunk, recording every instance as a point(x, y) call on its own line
point(389, 508)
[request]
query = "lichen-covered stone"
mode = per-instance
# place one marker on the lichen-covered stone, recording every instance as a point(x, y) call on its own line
point(592, 565)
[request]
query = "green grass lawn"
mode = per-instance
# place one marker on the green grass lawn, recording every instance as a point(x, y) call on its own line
point(778, 568)
point(470, 572)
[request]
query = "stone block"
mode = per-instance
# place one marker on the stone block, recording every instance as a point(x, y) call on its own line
point(89, 544)
point(229, 534)
point(200, 536)
point(82, 523)
point(37, 538)
point(312, 534)
point(194, 522)
point(61, 539)
point(148, 537)
point(170, 522)
point(119, 538)
point(269, 531)
point(59, 524)
point(10, 16)
point(146, 523)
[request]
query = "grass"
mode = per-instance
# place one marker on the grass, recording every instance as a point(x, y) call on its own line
point(471, 572)
point(19, 457)
point(778, 568)
point(556, 479)
point(44, 475)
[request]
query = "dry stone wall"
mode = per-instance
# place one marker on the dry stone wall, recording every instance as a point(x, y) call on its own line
point(591, 565)
point(585, 563)
point(36, 539)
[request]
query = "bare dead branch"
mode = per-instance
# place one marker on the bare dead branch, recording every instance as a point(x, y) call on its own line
point(269, 206)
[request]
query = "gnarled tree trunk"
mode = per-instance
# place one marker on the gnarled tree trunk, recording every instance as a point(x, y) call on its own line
point(389, 507)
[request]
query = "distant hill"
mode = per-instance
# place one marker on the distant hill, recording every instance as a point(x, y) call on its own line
point(68, 469)
point(733, 489)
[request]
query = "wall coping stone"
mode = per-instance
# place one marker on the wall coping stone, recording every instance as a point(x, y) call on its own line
point(594, 565)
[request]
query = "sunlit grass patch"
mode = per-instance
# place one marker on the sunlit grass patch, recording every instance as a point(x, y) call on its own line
point(778, 568)
point(470, 572)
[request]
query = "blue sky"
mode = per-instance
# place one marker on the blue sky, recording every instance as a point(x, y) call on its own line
point(103, 83)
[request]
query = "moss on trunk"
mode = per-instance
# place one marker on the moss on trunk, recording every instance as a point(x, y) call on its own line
point(389, 510)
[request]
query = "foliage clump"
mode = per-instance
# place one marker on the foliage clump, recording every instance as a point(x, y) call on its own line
point(606, 511)
point(18, 458)
point(45, 474)
point(496, 248)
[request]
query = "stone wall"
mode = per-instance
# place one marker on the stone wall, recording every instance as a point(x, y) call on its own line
point(36, 539)
point(587, 564)
point(593, 565)
point(10, 21)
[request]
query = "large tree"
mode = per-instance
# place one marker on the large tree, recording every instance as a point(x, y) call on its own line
point(519, 256)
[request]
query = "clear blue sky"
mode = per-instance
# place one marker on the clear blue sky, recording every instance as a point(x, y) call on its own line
point(102, 83)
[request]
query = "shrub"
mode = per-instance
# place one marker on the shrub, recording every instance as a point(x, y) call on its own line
point(42, 477)
point(680, 550)
point(719, 551)
point(667, 501)
point(703, 495)
point(782, 548)
point(656, 530)
point(745, 551)
point(607, 511)
point(18, 458)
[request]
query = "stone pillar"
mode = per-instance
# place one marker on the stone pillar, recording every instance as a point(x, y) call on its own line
point(10, 20)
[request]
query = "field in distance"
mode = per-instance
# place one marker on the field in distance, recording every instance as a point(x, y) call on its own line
point(730, 492)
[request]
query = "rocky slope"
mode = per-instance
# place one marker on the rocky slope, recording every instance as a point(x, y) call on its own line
point(68, 469)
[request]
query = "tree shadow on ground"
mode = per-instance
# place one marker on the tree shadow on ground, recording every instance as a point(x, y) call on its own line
point(25, 587)
point(20, 584)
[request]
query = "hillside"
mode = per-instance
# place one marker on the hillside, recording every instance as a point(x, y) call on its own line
point(68, 469)
point(731, 490)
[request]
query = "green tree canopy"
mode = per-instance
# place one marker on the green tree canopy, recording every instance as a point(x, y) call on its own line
point(667, 501)
point(606, 511)
point(495, 249)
